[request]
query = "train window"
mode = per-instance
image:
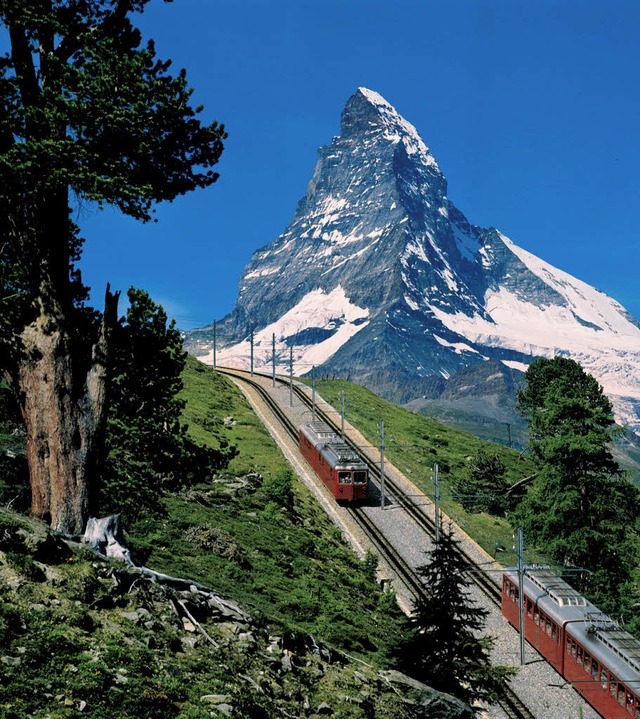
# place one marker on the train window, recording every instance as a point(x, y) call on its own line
point(359, 477)
point(574, 647)
point(594, 669)
point(568, 645)
point(621, 694)
point(529, 607)
point(344, 477)
point(630, 702)
point(579, 657)
point(547, 626)
point(587, 662)
point(536, 616)
point(613, 685)
point(554, 633)
point(604, 678)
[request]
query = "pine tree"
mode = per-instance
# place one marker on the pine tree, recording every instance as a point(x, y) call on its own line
point(483, 488)
point(148, 450)
point(580, 508)
point(570, 418)
point(446, 651)
point(87, 114)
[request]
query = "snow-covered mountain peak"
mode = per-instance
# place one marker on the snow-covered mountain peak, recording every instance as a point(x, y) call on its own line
point(367, 111)
point(380, 277)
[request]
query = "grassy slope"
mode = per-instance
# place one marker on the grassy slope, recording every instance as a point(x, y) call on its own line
point(294, 567)
point(210, 400)
point(415, 443)
point(476, 424)
point(82, 637)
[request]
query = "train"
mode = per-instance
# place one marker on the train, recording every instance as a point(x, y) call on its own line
point(589, 649)
point(339, 467)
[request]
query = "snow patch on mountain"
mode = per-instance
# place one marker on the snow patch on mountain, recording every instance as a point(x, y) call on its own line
point(315, 328)
point(457, 347)
point(513, 364)
point(262, 273)
point(589, 304)
point(577, 327)
point(589, 327)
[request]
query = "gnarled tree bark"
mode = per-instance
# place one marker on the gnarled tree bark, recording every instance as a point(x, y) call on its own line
point(63, 402)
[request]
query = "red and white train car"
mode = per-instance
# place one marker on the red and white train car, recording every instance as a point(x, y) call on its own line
point(338, 466)
point(590, 650)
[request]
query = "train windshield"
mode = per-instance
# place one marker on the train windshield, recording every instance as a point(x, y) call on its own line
point(344, 477)
point(359, 477)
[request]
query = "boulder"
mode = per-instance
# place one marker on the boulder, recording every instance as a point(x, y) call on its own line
point(436, 704)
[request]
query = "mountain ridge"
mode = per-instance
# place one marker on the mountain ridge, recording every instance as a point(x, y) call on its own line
point(379, 275)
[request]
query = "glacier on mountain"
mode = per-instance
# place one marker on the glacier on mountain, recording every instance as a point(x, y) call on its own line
point(379, 276)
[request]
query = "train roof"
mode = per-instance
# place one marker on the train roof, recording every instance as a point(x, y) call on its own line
point(611, 645)
point(319, 431)
point(325, 440)
point(552, 594)
point(563, 594)
point(601, 636)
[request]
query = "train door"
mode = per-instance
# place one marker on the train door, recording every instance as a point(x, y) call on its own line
point(345, 485)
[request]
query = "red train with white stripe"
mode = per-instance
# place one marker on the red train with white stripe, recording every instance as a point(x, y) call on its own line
point(338, 466)
point(589, 649)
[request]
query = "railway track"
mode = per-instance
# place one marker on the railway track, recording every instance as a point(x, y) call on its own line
point(395, 560)
point(510, 703)
point(489, 588)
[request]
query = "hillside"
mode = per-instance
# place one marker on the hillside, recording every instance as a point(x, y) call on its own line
point(277, 616)
point(86, 637)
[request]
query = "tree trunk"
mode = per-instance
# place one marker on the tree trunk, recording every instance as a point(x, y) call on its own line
point(63, 401)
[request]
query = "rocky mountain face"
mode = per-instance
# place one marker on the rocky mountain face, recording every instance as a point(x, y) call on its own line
point(379, 277)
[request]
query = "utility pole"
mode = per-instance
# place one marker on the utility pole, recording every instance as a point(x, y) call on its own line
point(382, 501)
point(520, 548)
point(273, 359)
point(436, 499)
point(291, 376)
point(313, 392)
point(214, 345)
point(342, 413)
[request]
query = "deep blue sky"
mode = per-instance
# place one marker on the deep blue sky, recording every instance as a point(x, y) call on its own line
point(532, 111)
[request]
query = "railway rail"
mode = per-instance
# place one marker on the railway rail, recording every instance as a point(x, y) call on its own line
point(510, 703)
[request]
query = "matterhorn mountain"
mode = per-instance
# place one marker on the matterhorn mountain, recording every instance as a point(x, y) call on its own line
point(379, 277)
